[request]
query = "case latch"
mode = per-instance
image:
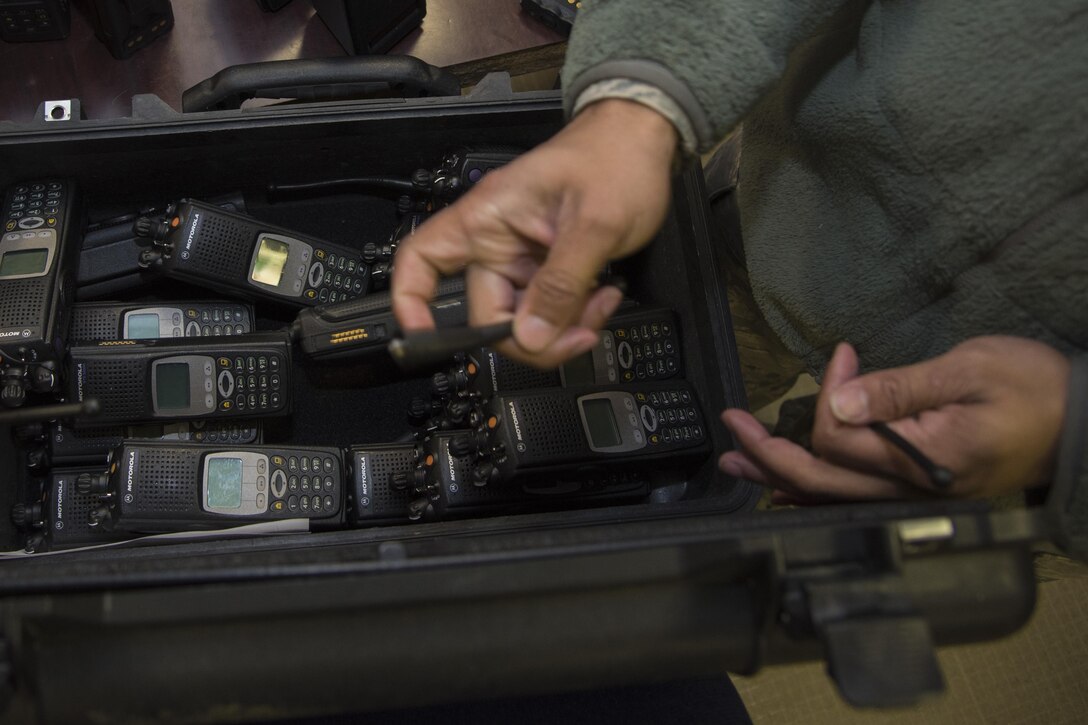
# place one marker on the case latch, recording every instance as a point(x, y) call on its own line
point(882, 661)
point(847, 590)
point(878, 647)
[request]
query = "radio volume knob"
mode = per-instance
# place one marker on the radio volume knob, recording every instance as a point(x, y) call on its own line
point(142, 227)
point(440, 384)
point(26, 515)
point(419, 410)
point(92, 483)
point(463, 445)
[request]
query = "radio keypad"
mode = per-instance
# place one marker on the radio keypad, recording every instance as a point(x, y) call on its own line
point(252, 392)
point(334, 277)
point(289, 493)
point(216, 321)
point(647, 351)
point(669, 416)
point(30, 208)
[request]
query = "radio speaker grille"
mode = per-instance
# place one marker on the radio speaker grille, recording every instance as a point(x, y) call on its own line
point(552, 425)
point(116, 384)
point(224, 250)
point(74, 444)
point(76, 507)
point(22, 302)
point(90, 324)
point(167, 482)
point(384, 499)
point(515, 376)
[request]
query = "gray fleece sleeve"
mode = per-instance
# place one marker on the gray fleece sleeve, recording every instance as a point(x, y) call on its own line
point(714, 59)
point(1067, 503)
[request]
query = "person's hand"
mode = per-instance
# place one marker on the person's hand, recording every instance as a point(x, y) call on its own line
point(990, 410)
point(534, 235)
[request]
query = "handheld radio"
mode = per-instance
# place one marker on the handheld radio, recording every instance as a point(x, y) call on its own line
point(109, 262)
point(38, 258)
point(211, 247)
point(434, 477)
point(202, 377)
point(76, 446)
point(587, 431)
point(638, 345)
point(96, 321)
point(157, 487)
point(61, 519)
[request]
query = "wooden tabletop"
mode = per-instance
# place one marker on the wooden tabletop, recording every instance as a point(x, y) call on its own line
point(210, 35)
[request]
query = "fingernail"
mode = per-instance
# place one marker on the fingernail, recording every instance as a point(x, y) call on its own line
point(729, 467)
point(850, 404)
point(535, 333)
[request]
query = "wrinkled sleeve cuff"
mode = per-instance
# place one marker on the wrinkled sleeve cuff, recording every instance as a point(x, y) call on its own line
point(647, 95)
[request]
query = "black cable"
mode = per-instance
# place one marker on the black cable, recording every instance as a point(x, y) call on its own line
point(431, 347)
point(939, 476)
point(401, 186)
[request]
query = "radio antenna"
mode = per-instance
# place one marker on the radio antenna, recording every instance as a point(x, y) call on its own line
point(88, 408)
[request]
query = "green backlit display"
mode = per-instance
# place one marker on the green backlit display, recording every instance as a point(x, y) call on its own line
point(225, 483)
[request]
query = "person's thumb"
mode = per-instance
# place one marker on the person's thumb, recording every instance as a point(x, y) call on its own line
point(557, 294)
point(900, 392)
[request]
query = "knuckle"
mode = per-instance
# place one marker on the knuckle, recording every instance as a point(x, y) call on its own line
point(491, 181)
point(477, 214)
point(602, 226)
point(893, 393)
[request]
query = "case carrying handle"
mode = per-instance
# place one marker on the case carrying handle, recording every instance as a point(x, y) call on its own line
point(319, 79)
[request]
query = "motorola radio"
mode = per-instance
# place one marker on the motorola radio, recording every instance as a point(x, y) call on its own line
point(97, 321)
point(109, 261)
point(39, 250)
point(68, 446)
point(434, 477)
point(61, 519)
point(638, 345)
point(202, 377)
point(234, 253)
point(586, 430)
point(157, 487)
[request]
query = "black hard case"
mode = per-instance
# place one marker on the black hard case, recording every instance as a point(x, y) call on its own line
point(694, 583)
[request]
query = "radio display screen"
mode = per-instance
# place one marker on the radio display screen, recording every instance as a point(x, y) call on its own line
point(603, 431)
point(271, 259)
point(143, 327)
point(579, 371)
point(224, 483)
point(172, 386)
point(24, 261)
